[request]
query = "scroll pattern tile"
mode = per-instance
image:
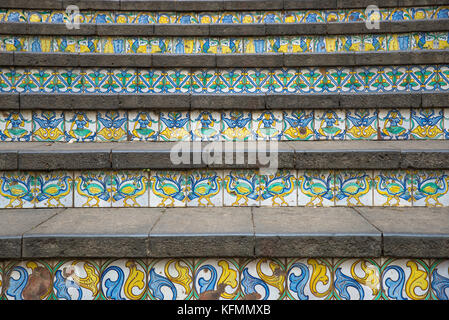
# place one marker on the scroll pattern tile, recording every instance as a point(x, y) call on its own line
point(226, 279)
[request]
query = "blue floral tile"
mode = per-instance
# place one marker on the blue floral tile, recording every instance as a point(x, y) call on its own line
point(205, 125)
point(439, 276)
point(392, 188)
point(80, 126)
point(54, 190)
point(143, 125)
point(174, 126)
point(15, 126)
point(112, 126)
point(92, 189)
point(427, 123)
point(298, 125)
point(241, 188)
point(236, 125)
point(279, 189)
point(361, 124)
point(168, 189)
point(205, 188)
point(129, 189)
point(394, 124)
point(353, 188)
point(226, 281)
point(316, 188)
point(48, 126)
point(329, 125)
point(17, 189)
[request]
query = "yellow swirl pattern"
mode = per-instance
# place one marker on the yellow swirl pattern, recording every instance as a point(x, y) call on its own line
point(276, 279)
point(135, 279)
point(318, 275)
point(90, 281)
point(418, 278)
point(229, 277)
point(371, 278)
point(183, 278)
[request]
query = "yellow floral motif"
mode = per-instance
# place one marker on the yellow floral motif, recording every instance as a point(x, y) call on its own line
point(418, 278)
point(228, 277)
point(318, 275)
point(184, 278)
point(135, 279)
point(276, 279)
point(90, 281)
point(371, 278)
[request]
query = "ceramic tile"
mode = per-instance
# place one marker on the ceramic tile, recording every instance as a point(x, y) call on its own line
point(160, 45)
point(374, 42)
point(208, 17)
point(361, 124)
point(394, 124)
point(231, 45)
point(263, 279)
point(298, 125)
point(395, 42)
point(174, 126)
point(137, 45)
point(353, 188)
point(284, 80)
point(129, 189)
point(329, 124)
point(301, 44)
point(114, 273)
point(430, 188)
point(278, 45)
point(439, 276)
point(184, 46)
point(40, 44)
point(168, 189)
point(357, 279)
point(424, 41)
point(54, 189)
point(112, 126)
point(92, 189)
point(392, 188)
point(315, 188)
point(217, 278)
point(113, 45)
point(267, 125)
point(76, 280)
point(255, 45)
point(80, 126)
point(279, 189)
point(48, 125)
point(236, 125)
point(171, 279)
point(15, 126)
point(427, 123)
point(17, 189)
point(207, 45)
point(241, 188)
point(205, 188)
point(404, 279)
point(205, 125)
point(350, 43)
point(187, 17)
point(143, 125)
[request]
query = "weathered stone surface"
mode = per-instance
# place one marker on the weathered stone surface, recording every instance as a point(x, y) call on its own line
point(411, 232)
point(165, 60)
point(6, 58)
point(319, 59)
point(27, 4)
point(39, 59)
point(9, 101)
point(187, 30)
point(253, 4)
point(314, 232)
point(195, 5)
point(154, 101)
point(218, 232)
point(310, 4)
point(302, 101)
point(138, 60)
point(67, 101)
point(222, 30)
point(375, 100)
point(121, 30)
point(14, 223)
point(248, 60)
point(93, 232)
point(148, 5)
point(93, 4)
point(225, 101)
point(434, 99)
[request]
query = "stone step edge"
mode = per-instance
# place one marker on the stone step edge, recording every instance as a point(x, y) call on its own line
point(225, 232)
point(212, 5)
point(222, 30)
point(318, 155)
point(222, 101)
point(248, 60)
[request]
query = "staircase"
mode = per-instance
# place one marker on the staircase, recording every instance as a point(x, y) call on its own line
point(131, 130)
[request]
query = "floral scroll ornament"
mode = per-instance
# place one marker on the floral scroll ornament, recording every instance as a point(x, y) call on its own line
point(73, 17)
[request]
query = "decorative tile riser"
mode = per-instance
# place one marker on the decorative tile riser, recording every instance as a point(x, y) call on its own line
point(338, 124)
point(389, 79)
point(225, 279)
point(297, 16)
point(218, 188)
point(190, 45)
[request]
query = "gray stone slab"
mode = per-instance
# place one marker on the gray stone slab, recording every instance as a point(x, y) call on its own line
point(193, 232)
point(93, 4)
point(148, 5)
point(425, 159)
point(9, 101)
point(434, 99)
point(13, 28)
point(411, 232)
point(223, 30)
point(227, 101)
point(92, 232)
point(248, 60)
point(314, 232)
point(59, 29)
point(64, 156)
point(294, 29)
point(165, 60)
point(253, 5)
point(68, 101)
point(310, 4)
point(186, 30)
point(123, 30)
point(14, 223)
point(195, 5)
point(39, 59)
point(154, 101)
point(380, 100)
point(6, 58)
point(8, 160)
point(27, 4)
point(319, 59)
point(137, 60)
point(302, 101)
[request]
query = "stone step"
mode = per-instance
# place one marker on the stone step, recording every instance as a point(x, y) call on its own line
point(267, 60)
point(225, 232)
point(319, 155)
point(220, 101)
point(212, 5)
point(223, 30)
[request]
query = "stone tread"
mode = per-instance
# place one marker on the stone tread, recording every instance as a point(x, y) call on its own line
point(356, 154)
point(248, 232)
point(267, 60)
point(210, 101)
point(212, 5)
